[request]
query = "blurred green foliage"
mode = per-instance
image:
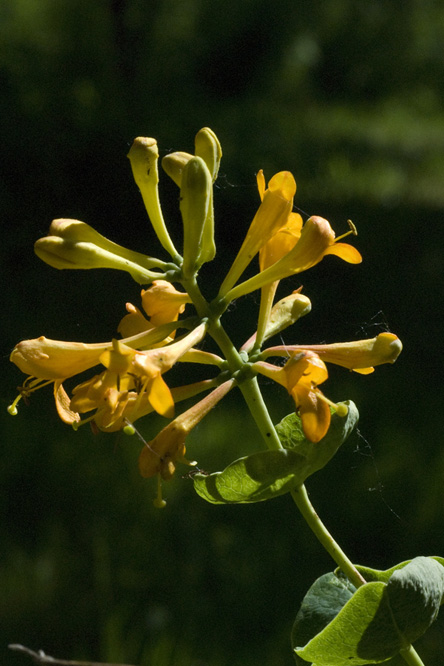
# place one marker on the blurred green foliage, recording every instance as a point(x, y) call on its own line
point(349, 96)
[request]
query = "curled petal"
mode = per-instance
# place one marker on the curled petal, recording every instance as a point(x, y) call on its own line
point(346, 252)
point(315, 413)
point(160, 397)
point(282, 242)
point(63, 407)
point(133, 323)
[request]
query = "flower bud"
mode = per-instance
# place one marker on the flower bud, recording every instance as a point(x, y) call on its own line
point(195, 195)
point(207, 147)
point(144, 156)
point(76, 231)
point(174, 163)
point(286, 312)
point(65, 253)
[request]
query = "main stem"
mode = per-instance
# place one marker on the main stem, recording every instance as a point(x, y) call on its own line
point(302, 501)
point(411, 657)
point(253, 397)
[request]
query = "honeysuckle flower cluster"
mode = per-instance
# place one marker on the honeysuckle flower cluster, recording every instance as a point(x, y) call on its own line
point(128, 372)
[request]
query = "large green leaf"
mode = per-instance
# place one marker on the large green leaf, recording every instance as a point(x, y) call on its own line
point(340, 626)
point(267, 474)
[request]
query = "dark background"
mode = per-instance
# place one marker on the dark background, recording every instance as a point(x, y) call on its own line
point(349, 96)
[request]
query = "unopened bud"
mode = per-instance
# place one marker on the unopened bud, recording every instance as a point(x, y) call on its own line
point(77, 231)
point(174, 163)
point(144, 156)
point(65, 253)
point(195, 194)
point(207, 147)
point(286, 312)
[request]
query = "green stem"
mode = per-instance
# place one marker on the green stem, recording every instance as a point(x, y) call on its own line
point(411, 657)
point(253, 397)
point(306, 508)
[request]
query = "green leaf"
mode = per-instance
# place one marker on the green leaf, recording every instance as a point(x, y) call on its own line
point(384, 576)
point(267, 474)
point(318, 454)
point(321, 604)
point(375, 622)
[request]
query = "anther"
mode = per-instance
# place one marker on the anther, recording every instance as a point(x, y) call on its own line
point(353, 230)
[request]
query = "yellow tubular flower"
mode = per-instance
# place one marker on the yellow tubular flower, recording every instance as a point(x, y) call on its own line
point(47, 361)
point(144, 156)
point(277, 247)
point(301, 376)
point(160, 455)
point(316, 241)
point(360, 355)
point(271, 216)
point(54, 359)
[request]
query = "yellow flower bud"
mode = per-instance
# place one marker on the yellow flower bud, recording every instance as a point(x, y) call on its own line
point(286, 312)
point(174, 163)
point(207, 147)
point(195, 194)
point(77, 231)
point(144, 156)
point(66, 253)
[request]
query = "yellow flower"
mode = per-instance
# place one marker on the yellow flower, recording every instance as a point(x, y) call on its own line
point(306, 369)
point(48, 361)
point(301, 376)
point(360, 355)
point(161, 454)
point(272, 215)
point(161, 302)
point(316, 241)
point(277, 247)
point(55, 359)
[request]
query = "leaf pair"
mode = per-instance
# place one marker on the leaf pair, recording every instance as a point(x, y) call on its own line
point(339, 625)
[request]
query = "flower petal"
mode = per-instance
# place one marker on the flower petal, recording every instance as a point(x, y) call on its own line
point(346, 252)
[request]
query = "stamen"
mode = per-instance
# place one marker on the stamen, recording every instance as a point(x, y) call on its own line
point(340, 408)
point(352, 230)
point(30, 385)
point(76, 424)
